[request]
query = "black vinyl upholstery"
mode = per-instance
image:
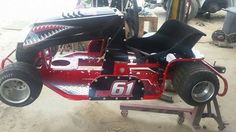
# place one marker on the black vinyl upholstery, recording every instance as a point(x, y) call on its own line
point(173, 36)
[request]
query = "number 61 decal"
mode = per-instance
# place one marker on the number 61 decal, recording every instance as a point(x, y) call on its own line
point(122, 88)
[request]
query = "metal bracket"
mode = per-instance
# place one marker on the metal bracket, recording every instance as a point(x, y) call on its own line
point(194, 115)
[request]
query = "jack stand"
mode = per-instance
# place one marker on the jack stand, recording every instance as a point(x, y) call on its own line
point(194, 115)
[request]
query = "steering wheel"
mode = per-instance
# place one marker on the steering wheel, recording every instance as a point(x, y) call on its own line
point(131, 18)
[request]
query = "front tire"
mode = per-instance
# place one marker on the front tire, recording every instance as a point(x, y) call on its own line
point(195, 83)
point(20, 84)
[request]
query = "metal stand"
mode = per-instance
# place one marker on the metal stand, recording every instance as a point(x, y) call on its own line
point(194, 115)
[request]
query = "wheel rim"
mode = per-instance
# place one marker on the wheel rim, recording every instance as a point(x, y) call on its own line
point(15, 90)
point(203, 91)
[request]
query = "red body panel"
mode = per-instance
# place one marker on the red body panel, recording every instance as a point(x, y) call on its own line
point(72, 75)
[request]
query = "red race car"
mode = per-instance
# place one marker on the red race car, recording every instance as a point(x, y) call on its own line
point(113, 67)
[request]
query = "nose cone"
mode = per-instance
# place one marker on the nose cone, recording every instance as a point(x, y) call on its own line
point(43, 32)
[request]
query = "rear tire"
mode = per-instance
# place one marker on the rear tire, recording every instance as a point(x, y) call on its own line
point(193, 9)
point(20, 84)
point(195, 83)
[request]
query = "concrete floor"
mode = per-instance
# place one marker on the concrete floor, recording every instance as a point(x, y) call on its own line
point(53, 113)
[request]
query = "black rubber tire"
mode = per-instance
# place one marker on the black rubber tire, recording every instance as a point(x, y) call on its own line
point(218, 35)
point(187, 75)
point(54, 50)
point(29, 75)
point(194, 9)
point(26, 56)
point(231, 38)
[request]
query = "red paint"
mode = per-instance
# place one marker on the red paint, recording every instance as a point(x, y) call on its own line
point(153, 81)
point(3, 62)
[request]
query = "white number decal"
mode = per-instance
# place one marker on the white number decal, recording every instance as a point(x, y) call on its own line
point(118, 88)
point(122, 88)
point(129, 88)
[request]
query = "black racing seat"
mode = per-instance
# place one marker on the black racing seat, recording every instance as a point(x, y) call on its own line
point(172, 37)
